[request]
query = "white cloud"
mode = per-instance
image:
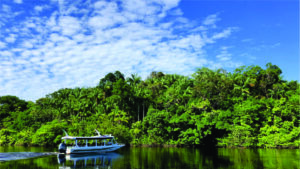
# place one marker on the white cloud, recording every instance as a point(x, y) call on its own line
point(100, 22)
point(176, 12)
point(224, 59)
point(11, 38)
point(69, 25)
point(100, 4)
point(2, 45)
point(39, 8)
point(224, 34)
point(27, 44)
point(81, 43)
point(18, 1)
point(224, 55)
point(6, 8)
point(6, 53)
point(169, 4)
point(141, 7)
point(211, 20)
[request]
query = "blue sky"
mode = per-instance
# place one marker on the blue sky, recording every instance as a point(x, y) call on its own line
point(47, 45)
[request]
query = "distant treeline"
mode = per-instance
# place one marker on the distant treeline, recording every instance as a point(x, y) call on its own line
point(251, 107)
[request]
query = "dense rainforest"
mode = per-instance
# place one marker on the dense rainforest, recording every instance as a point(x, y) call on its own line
point(249, 107)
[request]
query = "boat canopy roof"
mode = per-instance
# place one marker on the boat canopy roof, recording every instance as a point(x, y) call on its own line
point(87, 138)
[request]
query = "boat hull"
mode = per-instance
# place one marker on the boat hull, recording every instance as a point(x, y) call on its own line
point(93, 149)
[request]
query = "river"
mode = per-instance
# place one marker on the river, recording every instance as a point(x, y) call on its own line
point(145, 157)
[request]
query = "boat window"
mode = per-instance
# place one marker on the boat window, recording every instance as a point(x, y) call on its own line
point(91, 143)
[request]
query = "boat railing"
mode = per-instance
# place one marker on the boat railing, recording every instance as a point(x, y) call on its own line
point(91, 145)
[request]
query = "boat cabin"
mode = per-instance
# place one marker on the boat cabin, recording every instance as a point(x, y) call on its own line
point(90, 141)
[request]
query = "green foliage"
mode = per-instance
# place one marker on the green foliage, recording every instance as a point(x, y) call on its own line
point(24, 137)
point(49, 134)
point(10, 104)
point(7, 136)
point(285, 136)
point(136, 132)
point(250, 107)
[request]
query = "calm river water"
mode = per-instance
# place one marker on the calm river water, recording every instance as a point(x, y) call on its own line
point(143, 158)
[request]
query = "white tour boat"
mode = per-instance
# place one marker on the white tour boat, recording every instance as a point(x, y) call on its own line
point(99, 144)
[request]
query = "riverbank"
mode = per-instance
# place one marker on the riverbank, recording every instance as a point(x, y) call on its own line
point(202, 146)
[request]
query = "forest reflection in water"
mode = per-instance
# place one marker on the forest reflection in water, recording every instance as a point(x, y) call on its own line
point(154, 157)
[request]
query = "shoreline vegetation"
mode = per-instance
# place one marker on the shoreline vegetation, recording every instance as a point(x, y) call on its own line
point(205, 147)
point(251, 107)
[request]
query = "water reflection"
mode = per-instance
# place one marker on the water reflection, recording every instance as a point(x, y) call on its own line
point(103, 160)
point(154, 157)
point(188, 158)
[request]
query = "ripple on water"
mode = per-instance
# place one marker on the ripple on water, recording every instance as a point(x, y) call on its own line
point(21, 155)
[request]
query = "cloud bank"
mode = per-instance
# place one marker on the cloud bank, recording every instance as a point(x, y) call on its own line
point(66, 44)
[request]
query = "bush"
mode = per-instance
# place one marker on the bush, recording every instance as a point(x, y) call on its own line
point(7, 136)
point(49, 134)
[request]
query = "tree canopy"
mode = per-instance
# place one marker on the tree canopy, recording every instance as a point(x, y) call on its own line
point(250, 107)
